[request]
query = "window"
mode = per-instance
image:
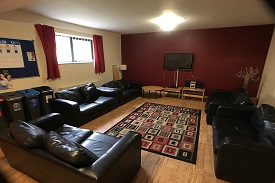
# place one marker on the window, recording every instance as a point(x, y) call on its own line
point(73, 49)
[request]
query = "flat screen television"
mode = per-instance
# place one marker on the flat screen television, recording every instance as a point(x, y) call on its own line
point(181, 61)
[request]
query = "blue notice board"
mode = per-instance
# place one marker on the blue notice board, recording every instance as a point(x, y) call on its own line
point(28, 67)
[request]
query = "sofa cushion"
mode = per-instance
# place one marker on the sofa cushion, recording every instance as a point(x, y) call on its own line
point(241, 97)
point(236, 93)
point(244, 99)
point(89, 92)
point(89, 108)
point(74, 134)
point(68, 151)
point(26, 134)
point(99, 104)
point(106, 101)
point(112, 84)
point(123, 84)
point(72, 94)
point(264, 122)
point(99, 143)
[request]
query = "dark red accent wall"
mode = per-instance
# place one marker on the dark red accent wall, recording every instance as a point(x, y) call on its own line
point(219, 54)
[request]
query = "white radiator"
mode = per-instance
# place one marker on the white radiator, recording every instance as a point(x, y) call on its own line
point(96, 83)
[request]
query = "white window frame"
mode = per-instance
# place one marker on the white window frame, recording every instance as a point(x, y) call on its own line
point(71, 57)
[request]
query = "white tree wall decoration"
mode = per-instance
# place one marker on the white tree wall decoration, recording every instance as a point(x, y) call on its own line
point(248, 73)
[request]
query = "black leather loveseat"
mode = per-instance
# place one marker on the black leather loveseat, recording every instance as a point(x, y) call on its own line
point(49, 151)
point(128, 90)
point(244, 143)
point(223, 97)
point(80, 105)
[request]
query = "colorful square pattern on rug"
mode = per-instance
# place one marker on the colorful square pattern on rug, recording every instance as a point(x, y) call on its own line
point(167, 130)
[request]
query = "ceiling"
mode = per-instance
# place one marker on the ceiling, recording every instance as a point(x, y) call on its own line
point(133, 16)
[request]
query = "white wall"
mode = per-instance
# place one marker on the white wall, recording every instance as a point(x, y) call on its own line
point(266, 93)
point(20, 25)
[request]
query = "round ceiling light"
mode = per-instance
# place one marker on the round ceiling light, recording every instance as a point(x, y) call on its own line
point(168, 21)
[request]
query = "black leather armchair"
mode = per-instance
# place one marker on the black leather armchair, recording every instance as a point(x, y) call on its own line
point(243, 143)
point(80, 105)
point(117, 160)
point(225, 97)
point(128, 90)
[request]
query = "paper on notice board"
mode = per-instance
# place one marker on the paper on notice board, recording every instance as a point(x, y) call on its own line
point(10, 54)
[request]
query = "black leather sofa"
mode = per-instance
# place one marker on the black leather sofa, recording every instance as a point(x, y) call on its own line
point(244, 143)
point(224, 97)
point(128, 90)
point(50, 151)
point(79, 105)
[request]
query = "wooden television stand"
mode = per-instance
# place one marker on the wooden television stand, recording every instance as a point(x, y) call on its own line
point(193, 92)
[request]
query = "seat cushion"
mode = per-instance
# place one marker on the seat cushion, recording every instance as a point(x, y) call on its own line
point(74, 134)
point(106, 101)
point(72, 94)
point(69, 151)
point(26, 134)
point(225, 127)
point(89, 92)
point(89, 108)
point(100, 103)
point(99, 143)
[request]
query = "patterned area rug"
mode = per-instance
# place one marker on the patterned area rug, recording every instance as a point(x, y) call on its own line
point(167, 130)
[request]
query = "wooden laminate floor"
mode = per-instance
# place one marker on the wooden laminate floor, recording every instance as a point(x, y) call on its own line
point(154, 168)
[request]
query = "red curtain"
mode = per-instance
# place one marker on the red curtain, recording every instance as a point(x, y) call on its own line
point(47, 37)
point(99, 54)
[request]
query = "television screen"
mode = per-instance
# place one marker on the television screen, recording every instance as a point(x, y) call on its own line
point(182, 61)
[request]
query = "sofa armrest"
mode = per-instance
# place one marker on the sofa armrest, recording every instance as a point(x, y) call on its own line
point(120, 162)
point(237, 112)
point(135, 84)
point(229, 110)
point(108, 92)
point(68, 109)
point(212, 110)
point(245, 161)
point(125, 143)
point(48, 122)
